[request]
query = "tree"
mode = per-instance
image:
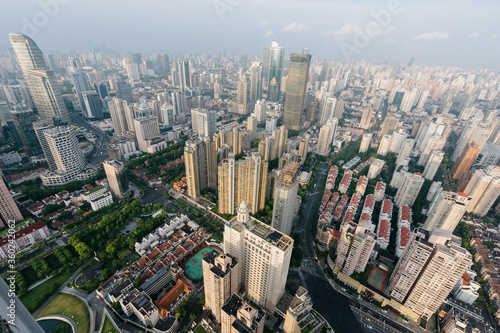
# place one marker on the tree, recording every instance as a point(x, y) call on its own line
point(83, 250)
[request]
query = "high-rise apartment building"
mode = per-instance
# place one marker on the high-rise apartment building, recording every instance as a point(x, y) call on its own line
point(280, 136)
point(433, 164)
point(243, 99)
point(285, 198)
point(447, 211)
point(406, 150)
point(311, 112)
point(327, 107)
point(384, 145)
point(354, 249)
point(116, 174)
point(434, 143)
point(221, 280)
point(484, 189)
point(464, 162)
point(252, 127)
point(366, 118)
point(256, 81)
point(200, 159)
point(242, 180)
point(298, 73)
point(261, 110)
point(365, 142)
point(146, 128)
point(264, 254)
point(122, 116)
point(9, 212)
point(41, 81)
point(239, 315)
point(23, 122)
point(325, 137)
point(390, 123)
point(430, 266)
point(475, 131)
point(204, 122)
point(408, 192)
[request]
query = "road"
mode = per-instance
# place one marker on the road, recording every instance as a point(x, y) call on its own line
point(333, 305)
point(102, 150)
point(379, 323)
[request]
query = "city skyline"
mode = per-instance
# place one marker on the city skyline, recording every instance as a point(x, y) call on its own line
point(399, 38)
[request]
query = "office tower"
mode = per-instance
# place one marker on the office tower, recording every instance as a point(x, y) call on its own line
point(311, 112)
point(124, 91)
point(122, 116)
point(447, 211)
point(252, 127)
point(256, 81)
point(354, 249)
point(273, 90)
point(271, 123)
point(8, 208)
point(408, 192)
point(474, 132)
point(390, 123)
point(465, 161)
point(243, 100)
point(434, 143)
point(261, 110)
point(184, 70)
point(200, 158)
point(428, 270)
point(146, 128)
point(204, 122)
point(135, 58)
point(167, 114)
point(80, 81)
point(327, 106)
point(276, 61)
point(484, 189)
point(163, 63)
point(366, 118)
point(285, 198)
point(92, 102)
point(325, 137)
point(116, 174)
point(242, 180)
point(23, 122)
point(266, 56)
point(101, 89)
point(41, 81)
point(410, 63)
point(365, 142)
point(339, 109)
point(264, 255)
point(298, 73)
point(65, 153)
point(221, 280)
point(239, 315)
point(179, 102)
point(384, 145)
point(433, 164)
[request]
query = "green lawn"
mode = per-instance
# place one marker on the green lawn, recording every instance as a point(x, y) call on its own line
point(71, 307)
point(200, 329)
point(34, 298)
point(108, 326)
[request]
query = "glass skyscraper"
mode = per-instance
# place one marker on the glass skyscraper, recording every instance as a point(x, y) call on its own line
point(296, 86)
point(276, 60)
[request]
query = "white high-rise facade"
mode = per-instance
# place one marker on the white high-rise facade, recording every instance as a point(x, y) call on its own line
point(434, 143)
point(433, 164)
point(204, 122)
point(365, 142)
point(264, 256)
point(484, 189)
point(146, 128)
point(261, 110)
point(326, 135)
point(384, 146)
point(122, 116)
point(447, 211)
point(408, 191)
point(474, 132)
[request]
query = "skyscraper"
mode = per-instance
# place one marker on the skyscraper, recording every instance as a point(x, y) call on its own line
point(366, 118)
point(255, 81)
point(41, 81)
point(242, 180)
point(221, 280)
point(325, 137)
point(447, 211)
point(23, 122)
point(298, 72)
point(39, 127)
point(122, 116)
point(430, 266)
point(240, 315)
point(80, 81)
point(184, 70)
point(200, 158)
point(433, 164)
point(474, 132)
point(264, 255)
point(8, 209)
point(285, 198)
point(163, 63)
point(116, 174)
point(243, 100)
point(146, 128)
point(124, 91)
point(365, 142)
point(92, 102)
point(484, 188)
point(434, 143)
point(252, 127)
point(276, 61)
point(204, 122)
point(408, 192)
point(465, 161)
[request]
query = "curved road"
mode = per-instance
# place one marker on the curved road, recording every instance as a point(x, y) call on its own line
point(333, 305)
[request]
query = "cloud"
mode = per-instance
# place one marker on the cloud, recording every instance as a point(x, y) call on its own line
point(295, 27)
point(263, 23)
point(474, 35)
point(349, 29)
point(494, 36)
point(268, 33)
point(436, 35)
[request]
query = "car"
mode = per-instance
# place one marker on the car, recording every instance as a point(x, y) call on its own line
point(369, 326)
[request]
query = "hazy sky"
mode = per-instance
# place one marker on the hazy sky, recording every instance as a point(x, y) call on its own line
point(443, 32)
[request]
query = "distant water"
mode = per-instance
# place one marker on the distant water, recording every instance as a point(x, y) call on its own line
point(50, 325)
